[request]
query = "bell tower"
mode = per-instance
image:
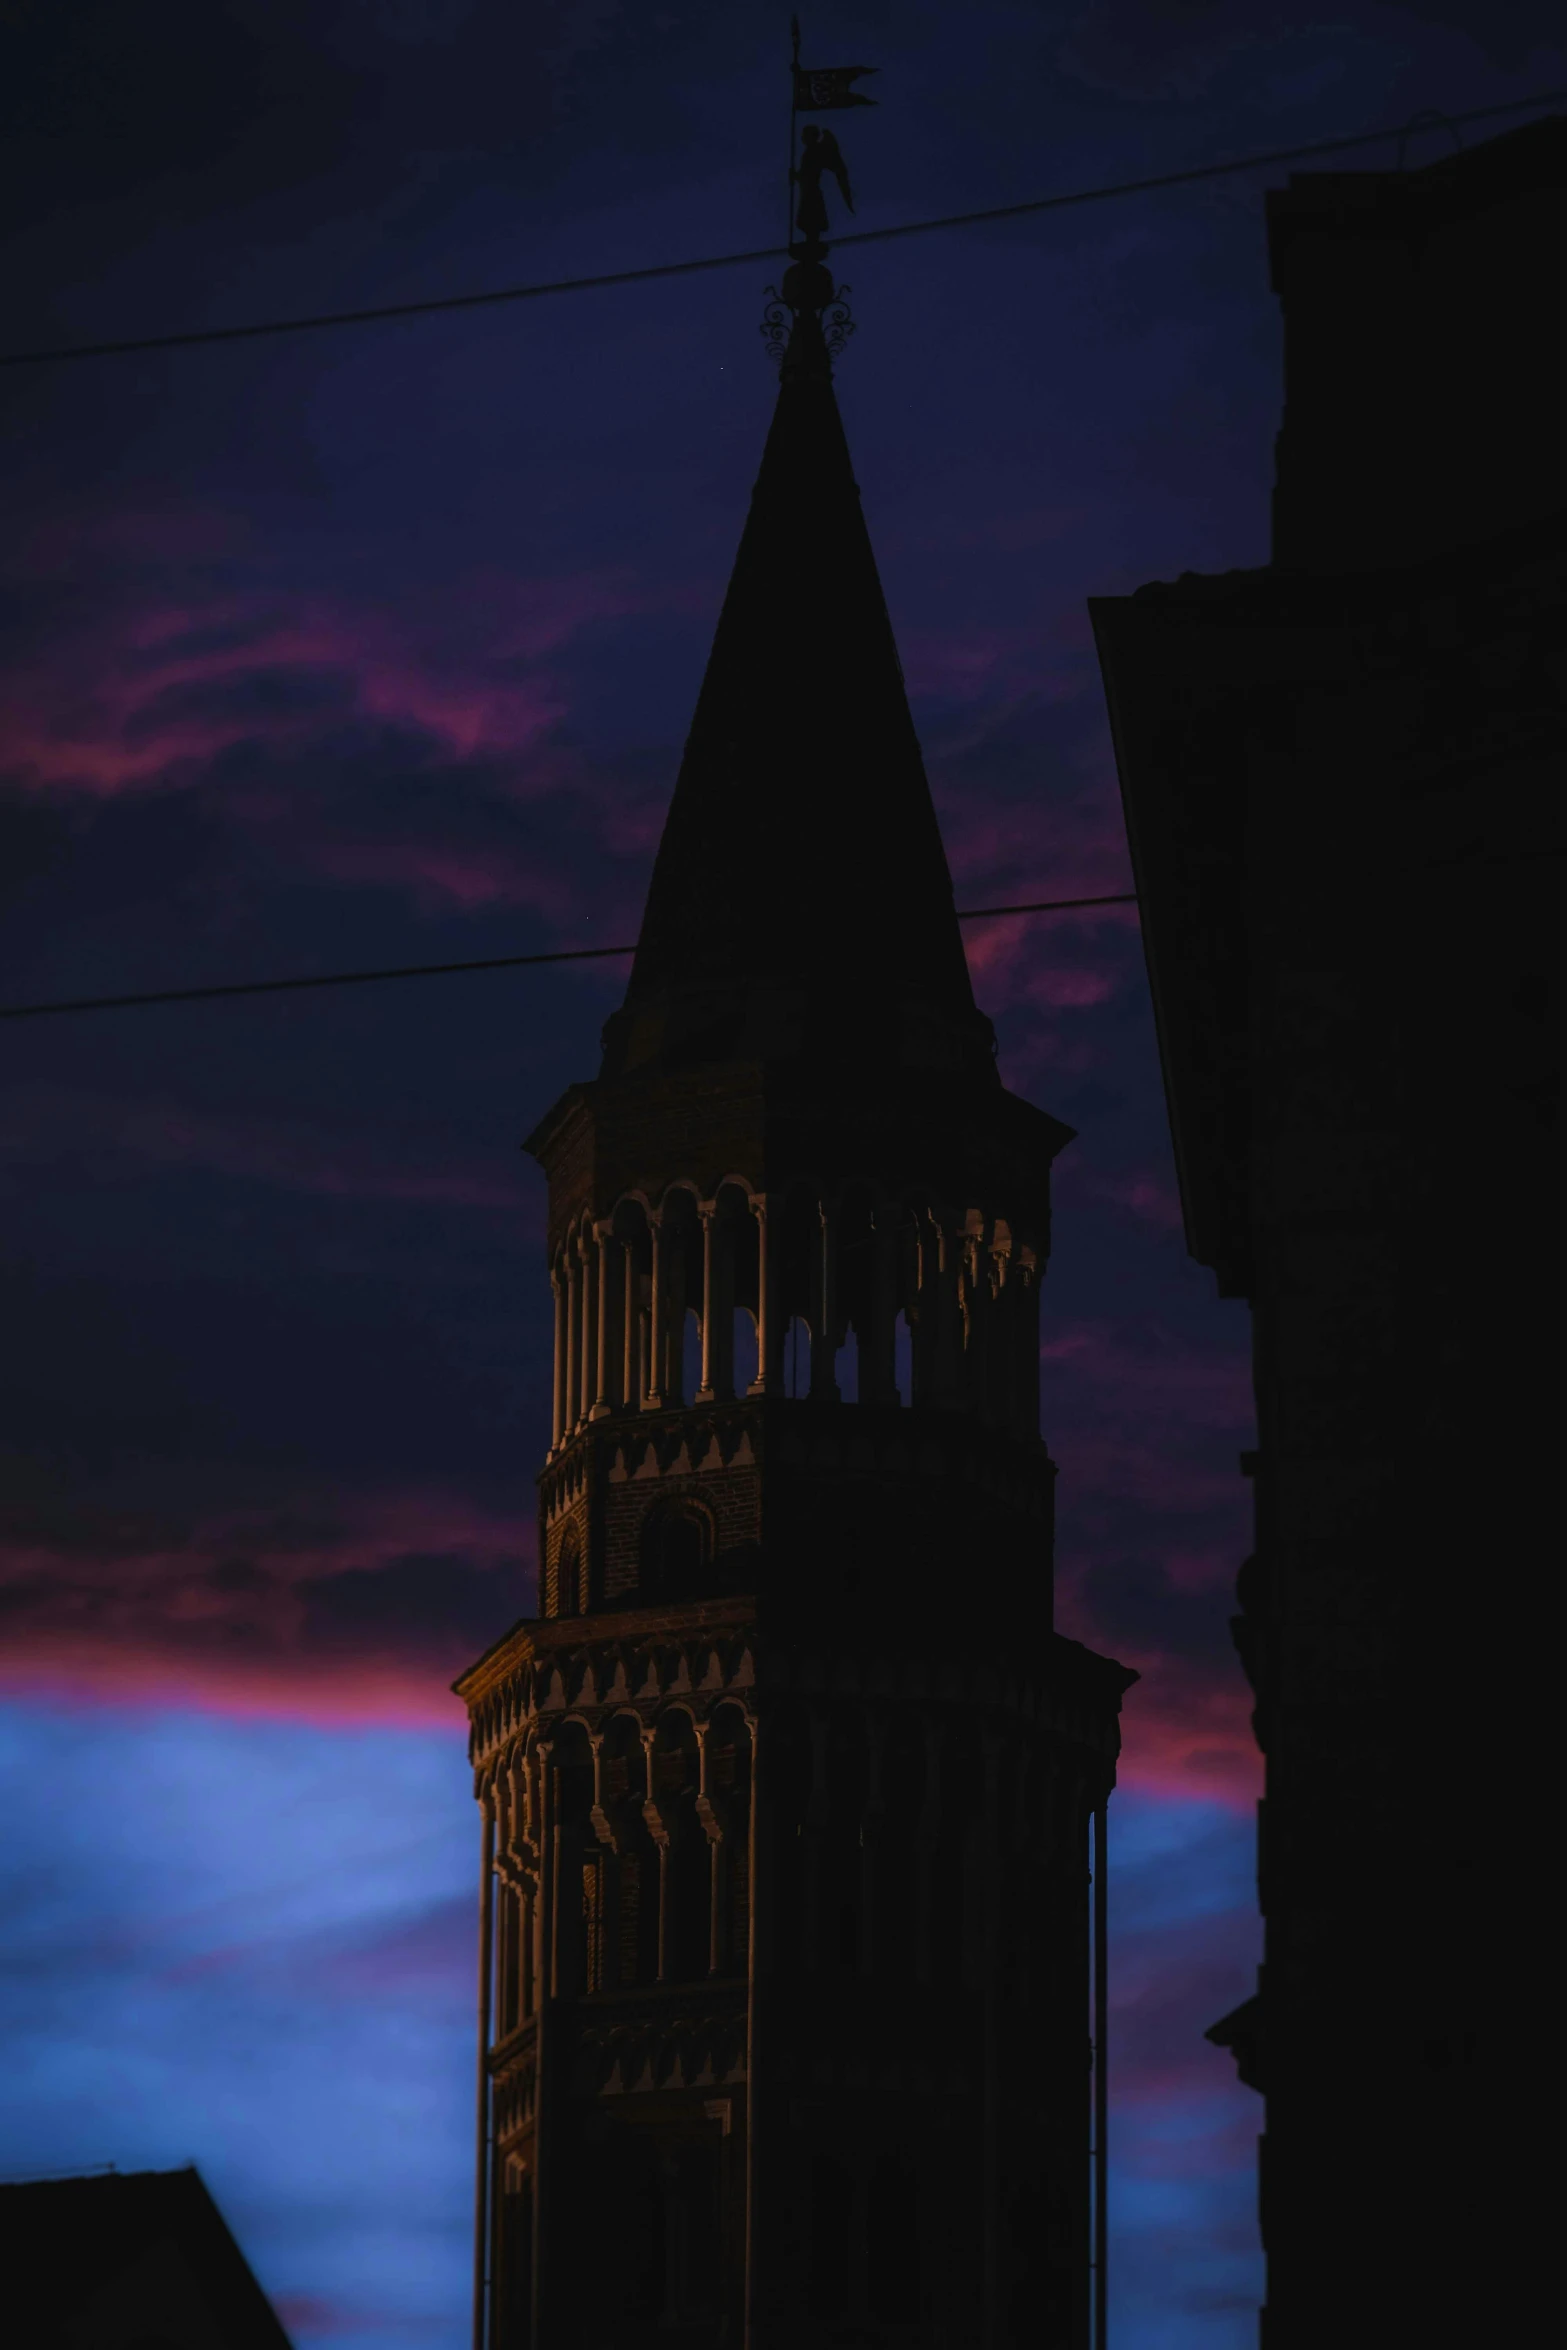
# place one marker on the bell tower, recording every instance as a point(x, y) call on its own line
point(787, 1790)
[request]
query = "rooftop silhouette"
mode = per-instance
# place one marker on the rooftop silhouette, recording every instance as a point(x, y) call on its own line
point(140, 2258)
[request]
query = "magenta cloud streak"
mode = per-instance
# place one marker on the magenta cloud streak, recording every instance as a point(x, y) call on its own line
point(325, 1609)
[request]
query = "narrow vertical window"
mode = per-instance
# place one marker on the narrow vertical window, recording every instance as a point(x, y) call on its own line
point(568, 1578)
point(593, 1923)
point(631, 1969)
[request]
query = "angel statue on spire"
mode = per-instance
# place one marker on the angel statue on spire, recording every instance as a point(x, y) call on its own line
point(819, 152)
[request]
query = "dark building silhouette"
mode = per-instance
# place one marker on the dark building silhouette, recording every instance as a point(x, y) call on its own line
point(787, 1791)
point(1344, 783)
point(135, 2260)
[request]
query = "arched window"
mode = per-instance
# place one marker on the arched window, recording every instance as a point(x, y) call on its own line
point(568, 1578)
point(677, 1550)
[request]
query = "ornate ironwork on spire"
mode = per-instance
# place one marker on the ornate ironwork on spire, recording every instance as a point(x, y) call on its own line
point(807, 320)
point(807, 311)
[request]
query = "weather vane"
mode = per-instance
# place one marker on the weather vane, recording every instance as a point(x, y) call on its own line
point(814, 155)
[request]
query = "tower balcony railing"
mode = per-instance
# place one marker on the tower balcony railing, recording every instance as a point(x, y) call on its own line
point(845, 1300)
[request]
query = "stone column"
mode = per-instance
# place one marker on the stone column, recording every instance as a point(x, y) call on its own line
point(924, 1288)
point(675, 1316)
point(710, 1245)
point(585, 1366)
point(525, 1800)
point(977, 1369)
point(603, 1399)
point(713, 1828)
point(656, 1828)
point(631, 1367)
point(769, 1338)
point(878, 1343)
point(558, 1385)
point(824, 1319)
point(573, 1339)
point(656, 1317)
point(948, 1350)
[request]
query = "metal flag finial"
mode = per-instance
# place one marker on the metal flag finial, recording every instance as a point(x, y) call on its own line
point(809, 310)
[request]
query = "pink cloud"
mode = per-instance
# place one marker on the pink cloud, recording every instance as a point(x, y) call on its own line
point(362, 1611)
point(1148, 1433)
point(146, 695)
point(124, 729)
point(1136, 1362)
point(1062, 844)
point(1187, 1732)
point(313, 2317)
point(1133, 1415)
point(312, 2313)
point(1151, 1198)
point(439, 875)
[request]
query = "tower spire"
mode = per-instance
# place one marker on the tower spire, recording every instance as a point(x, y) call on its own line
point(801, 900)
point(796, 1237)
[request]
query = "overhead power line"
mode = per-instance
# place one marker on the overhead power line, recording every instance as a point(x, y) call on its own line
point(124, 346)
point(201, 995)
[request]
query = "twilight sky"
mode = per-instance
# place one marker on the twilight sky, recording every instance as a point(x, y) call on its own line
point(379, 646)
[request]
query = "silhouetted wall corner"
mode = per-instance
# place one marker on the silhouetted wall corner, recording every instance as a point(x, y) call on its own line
point(1241, 2032)
point(133, 2257)
point(1425, 379)
point(1342, 777)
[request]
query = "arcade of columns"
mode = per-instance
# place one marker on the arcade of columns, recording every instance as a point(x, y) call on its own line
point(625, 1283)
point(926, 1830)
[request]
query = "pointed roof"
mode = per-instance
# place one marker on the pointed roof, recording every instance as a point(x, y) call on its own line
point(801, 864)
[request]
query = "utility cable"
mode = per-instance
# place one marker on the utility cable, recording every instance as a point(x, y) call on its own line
point(201, 995)
point(121, 347)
